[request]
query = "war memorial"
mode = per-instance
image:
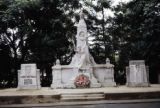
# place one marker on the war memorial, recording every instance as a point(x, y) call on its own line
point(83, 80)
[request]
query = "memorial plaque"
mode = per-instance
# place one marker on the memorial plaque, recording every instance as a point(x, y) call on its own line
point(28, 77)
point(137, 62)
point(137, 73)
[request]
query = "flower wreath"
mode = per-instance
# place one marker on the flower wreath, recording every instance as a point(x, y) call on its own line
point(82, 81)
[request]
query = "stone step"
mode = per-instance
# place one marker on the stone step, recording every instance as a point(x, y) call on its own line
point(82, 96)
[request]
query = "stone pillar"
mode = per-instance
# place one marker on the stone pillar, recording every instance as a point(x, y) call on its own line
point(109, 77)
point(38, 79)
point(56, 76)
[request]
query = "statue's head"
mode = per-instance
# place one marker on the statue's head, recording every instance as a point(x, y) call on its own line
point(57, 62)
point(81, 28)
point(81, 15)
point(81, 34)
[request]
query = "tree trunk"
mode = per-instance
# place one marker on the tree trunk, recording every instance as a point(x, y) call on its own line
point(103, 32)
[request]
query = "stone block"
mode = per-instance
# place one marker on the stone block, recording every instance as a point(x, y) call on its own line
point(137, 74)
point(29, 77)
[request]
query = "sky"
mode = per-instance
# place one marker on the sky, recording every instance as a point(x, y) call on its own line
point(108, 13)
point(115, 2)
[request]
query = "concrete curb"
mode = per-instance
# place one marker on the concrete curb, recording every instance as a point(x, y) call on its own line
point(83, 103)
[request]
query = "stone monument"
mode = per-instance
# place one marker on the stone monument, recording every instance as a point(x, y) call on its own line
point(29, 77)
point(137, 74)
point(82, 69)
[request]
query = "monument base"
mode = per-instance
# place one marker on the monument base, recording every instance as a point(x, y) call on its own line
point(99, 75)
point(137, 74)
point(95, 85)
point(62, 85)
point(56, 86)
point(132, 84)
point(69, 86)
point(29, 77)
point(31, 87)
point(111, 84)
point(53, 96)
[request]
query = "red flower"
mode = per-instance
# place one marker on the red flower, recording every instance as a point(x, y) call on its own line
point(82, 81)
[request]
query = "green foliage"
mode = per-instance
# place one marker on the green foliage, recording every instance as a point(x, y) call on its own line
point(38, 31)
point(135, 29)
point(42, 31)
point(6, 76)
point(98, 28)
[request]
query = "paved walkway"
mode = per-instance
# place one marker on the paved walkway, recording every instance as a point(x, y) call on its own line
point(138, 105)
point(49, 91)
point(142, 103)
point(114, 97)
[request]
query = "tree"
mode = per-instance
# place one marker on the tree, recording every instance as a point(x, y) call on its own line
point(135, 29)
point(52, 30)
point(97, 22)
point(38, 31)
point(6, 79)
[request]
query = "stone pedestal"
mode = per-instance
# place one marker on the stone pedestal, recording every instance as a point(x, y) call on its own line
point(56, 81)
point(137, 74)
point(105, 74)
point(64, 76)
point(29, 77)
point(99, 75)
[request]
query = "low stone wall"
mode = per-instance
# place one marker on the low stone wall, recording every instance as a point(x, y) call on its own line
point(48, 99)
point(29, 99)
point(99, 75)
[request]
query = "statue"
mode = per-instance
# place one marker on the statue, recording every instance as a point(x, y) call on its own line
point(82, 58)
point(82, 72)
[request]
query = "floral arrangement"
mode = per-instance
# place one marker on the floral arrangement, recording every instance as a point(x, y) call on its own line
point(82, 81)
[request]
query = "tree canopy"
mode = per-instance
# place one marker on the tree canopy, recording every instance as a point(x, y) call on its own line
point(41, 31)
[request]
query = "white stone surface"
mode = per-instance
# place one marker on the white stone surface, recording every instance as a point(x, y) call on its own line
point(82, 63)
point(137, 73)
point(47, 91)
point(28, 77)
point(82, 58)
